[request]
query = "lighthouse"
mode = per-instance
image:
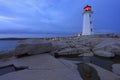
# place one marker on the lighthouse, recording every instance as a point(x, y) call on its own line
point(87, 27)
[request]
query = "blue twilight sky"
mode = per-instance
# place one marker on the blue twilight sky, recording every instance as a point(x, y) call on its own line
point(57, 16)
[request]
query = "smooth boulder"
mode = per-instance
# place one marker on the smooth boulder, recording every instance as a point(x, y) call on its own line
point(104, 53)
point(87, 54)
point(108, 47)
point(116, 69)
point(33, 47)
point(68, 51)
point(59, 45)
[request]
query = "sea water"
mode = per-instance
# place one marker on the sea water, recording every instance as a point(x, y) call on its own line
point(34, 35)
point(7, 44)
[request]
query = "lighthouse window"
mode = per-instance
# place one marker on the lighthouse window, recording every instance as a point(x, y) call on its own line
point(90, 22)
point(89, 15)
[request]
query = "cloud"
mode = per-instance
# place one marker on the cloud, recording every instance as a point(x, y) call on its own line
point(27, 7)
point(6, 19)
point(39, 15)
point(9, 24)
point(9, 19)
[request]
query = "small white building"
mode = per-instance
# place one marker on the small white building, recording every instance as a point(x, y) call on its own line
point(87, 27)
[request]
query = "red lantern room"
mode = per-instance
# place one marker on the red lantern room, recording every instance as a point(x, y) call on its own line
point(87, 8)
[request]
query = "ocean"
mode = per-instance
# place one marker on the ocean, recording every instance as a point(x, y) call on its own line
point(7, 44)
point(33, 35)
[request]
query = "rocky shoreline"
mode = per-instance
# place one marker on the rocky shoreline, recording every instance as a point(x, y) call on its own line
point(100, 45)
point(107, 46)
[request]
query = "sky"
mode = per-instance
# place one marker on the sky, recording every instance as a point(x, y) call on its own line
point(57, 16)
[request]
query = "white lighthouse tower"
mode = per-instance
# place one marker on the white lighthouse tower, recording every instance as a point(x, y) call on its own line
point(87, 27)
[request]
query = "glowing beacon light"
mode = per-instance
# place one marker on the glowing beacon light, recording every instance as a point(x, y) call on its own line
point(87, 8)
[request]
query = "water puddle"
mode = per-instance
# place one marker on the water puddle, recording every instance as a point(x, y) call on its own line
point(10, 68)
point(104, 63)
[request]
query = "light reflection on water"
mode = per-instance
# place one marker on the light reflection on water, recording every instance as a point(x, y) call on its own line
point(95, 60)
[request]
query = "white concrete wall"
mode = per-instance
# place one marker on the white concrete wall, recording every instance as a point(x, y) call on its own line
point(86, 23)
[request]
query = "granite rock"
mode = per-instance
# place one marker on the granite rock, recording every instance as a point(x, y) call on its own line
point(104, 53)
point(32, 47)
point(116, 69)
point(68, 51)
